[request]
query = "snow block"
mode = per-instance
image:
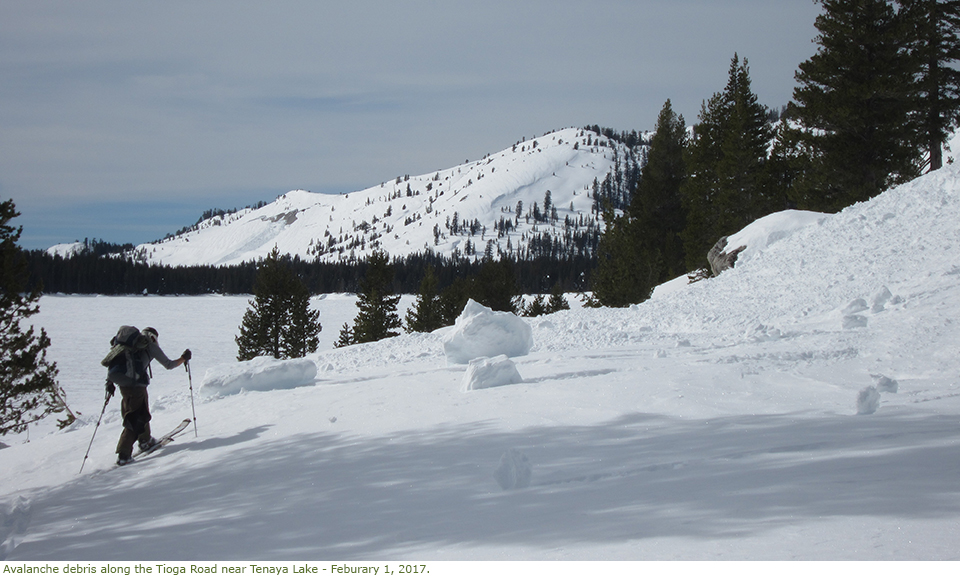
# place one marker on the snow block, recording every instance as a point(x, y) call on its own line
point(855, 306)
point(483, 332)
point(484, 372)
point(514, 470)
point(258, 374)
point(868, 401)
point(885, 384)
point(880, 299)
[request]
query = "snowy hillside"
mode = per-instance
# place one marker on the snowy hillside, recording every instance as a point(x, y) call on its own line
point(463, 209)
point(803, 406)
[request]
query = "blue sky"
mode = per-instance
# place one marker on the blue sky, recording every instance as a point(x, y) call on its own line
point(126, 120)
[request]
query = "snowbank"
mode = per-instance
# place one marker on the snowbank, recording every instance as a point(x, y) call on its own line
point(484, 372)
point(761, 233)
point(755, 237)
point(482, 332)
point(258, 374)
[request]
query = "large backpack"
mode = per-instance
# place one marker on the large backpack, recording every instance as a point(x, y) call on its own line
point(128, 362)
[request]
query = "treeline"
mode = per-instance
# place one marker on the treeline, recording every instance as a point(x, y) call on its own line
point(89, 273)
point(872, 109)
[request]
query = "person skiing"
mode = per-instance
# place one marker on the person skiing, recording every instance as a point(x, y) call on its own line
point(129, 369)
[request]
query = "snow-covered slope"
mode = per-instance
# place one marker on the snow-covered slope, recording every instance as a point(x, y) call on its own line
point(801, 406)
point(410, 214)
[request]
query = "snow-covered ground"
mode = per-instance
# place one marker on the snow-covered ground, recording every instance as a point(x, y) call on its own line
point(718, 421)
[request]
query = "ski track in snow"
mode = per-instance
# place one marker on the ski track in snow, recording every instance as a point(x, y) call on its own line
point(717, 421)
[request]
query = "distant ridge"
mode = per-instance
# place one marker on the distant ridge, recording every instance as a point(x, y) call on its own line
point(539, 197)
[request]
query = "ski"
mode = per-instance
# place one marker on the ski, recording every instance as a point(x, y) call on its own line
point(163, 440)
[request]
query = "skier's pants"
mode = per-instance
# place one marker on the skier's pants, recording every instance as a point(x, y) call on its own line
point(135, 410)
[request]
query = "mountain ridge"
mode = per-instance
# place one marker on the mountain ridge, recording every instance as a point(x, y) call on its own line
point(540, 195)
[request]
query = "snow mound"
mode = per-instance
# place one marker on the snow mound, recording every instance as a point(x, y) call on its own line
point(481, 332)
point(765, 231)
point(484, 372)
point(513, 471)
point(258, 374)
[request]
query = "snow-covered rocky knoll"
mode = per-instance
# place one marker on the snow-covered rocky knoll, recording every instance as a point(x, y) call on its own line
point(803, 405)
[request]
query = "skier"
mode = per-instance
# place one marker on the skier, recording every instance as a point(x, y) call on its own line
point(130, 371)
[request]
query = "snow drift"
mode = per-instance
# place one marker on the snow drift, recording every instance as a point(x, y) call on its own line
point(762, 233)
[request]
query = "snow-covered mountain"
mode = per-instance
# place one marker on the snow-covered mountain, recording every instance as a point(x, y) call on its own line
point(536, 188)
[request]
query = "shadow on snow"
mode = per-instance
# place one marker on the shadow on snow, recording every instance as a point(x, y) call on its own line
point(328, 496)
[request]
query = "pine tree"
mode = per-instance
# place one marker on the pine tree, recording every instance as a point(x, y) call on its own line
point(377, 318)
point(453, 298)
point(495, 286)
point(656, 208)
point(303, 334)
point(725, 188)
point(537, 307)
point(557, 301)
point(28, 382)
point(933, 29)
point(345, 338)
point(620, 278)
point(425, 315)
point(854, 102)
point(279, 322)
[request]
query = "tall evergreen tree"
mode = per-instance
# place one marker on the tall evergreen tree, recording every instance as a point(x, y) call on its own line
point(726, 188)
point(656, 209)
point(933, 29)
point(377, 318)
point(279, 322)
point(303, 334)
point(620, 278)
point(28, 382)
point(854, 102)
point(495, 286)
point(425, 315)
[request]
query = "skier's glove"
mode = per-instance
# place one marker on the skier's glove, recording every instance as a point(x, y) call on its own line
point(111, 388)
point(186, 355)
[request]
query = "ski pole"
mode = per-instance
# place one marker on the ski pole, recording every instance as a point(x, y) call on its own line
point(192, 407)
point(87, 455)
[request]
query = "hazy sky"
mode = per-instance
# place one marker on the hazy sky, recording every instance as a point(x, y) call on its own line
point(126, 120)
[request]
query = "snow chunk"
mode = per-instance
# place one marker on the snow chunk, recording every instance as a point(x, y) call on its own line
point(855, 306)
point(258, 374)
point(486, 372)
point(868, 401)
point(885, 384)
point(513, 471)
point(880, 299)
point(482, 332)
